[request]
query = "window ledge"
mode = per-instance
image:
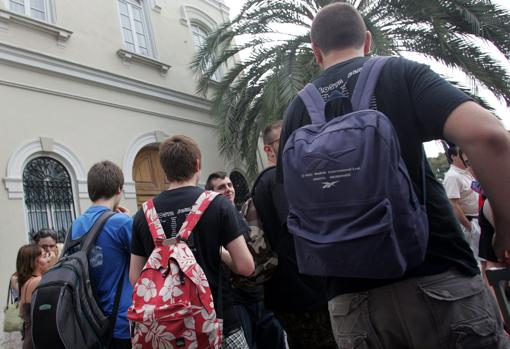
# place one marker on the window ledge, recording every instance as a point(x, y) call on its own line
point(60, 33)
point(128, 57)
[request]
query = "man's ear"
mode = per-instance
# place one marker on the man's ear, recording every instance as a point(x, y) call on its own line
point(119, 190)
point(318, 54)
point(368, 43)
point(198, 165)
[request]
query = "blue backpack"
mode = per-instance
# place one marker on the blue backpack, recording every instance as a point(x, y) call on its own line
point(352, 207)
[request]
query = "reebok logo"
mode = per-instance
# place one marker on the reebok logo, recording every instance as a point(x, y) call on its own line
point(327, 185)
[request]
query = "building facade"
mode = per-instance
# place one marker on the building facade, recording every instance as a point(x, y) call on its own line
point(85, 81)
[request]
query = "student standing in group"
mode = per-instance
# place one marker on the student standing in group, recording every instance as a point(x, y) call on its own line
point(109, 260)
point(299, 301)
point(260, 326)
point(442, 303)
point(220, 225)
point(457, 183)
point(31, 262)
point(47, 239)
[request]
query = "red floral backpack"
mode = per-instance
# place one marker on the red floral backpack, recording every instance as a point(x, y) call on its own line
point(172, 301)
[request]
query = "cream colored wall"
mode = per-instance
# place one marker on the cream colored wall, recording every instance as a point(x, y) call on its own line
point(93, 119)
point(97, 37)
point(93, 132)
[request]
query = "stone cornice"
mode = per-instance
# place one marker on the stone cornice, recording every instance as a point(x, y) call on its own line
point(61, 34)
point(48, 64)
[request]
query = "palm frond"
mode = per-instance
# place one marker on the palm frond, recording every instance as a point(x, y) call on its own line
point(266, 49)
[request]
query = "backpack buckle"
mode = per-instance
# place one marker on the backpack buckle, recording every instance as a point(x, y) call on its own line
point(171, 241)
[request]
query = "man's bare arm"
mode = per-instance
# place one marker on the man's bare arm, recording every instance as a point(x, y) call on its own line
point(459, 213)
point(487, 144)
point(135, 267)
point(242, 260)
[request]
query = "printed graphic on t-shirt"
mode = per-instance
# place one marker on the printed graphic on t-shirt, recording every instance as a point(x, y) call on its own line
point(96, 257)
point(341, 86)
point(169, 219)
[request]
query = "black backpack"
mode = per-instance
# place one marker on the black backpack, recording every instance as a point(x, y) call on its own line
point(65, 312)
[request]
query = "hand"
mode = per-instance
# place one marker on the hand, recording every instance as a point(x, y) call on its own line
point(122, 209)
point(501, 245)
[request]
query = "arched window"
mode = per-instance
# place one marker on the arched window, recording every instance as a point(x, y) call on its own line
point(48, 196)
point(241, 187)
point(199, 36)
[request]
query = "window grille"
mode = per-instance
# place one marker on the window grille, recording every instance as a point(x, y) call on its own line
point(48, 196)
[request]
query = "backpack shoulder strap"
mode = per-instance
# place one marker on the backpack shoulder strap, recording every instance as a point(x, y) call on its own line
point(257, 180)
point(367, 80)
point(91, 236)
point(194, 216)
point(151, 216)
point(314, 103)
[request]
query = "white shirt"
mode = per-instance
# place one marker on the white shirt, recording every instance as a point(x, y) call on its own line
point(457, 183)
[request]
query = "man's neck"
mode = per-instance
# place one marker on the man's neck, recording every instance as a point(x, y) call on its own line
point(340, 56)
point(109, 203)
point(187, 183)
point(459, 167)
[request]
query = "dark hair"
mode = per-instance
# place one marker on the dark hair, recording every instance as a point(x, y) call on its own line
point(338, 26)
point(104, 180)
point(25, 262)
point(268, 131)
point(451, 152)
point(45, 233)
point(178, 156)
point(212, 177)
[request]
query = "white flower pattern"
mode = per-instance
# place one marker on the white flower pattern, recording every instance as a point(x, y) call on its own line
point(155, 258)
point(147, 289)
point(171, 288)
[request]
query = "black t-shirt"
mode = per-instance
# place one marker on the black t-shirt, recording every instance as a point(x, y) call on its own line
point(287, 290)
point(219, 225)
point(418, 102)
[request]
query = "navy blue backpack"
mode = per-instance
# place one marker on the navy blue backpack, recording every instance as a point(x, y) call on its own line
point(352, 207)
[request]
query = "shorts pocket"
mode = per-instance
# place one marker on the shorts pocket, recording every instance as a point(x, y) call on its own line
point(462, 311)
point(350, 321)
point(475, 334)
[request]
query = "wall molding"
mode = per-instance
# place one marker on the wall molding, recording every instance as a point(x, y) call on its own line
point(155, 6)
point(36, 61)
point(190, 14)
point(42, 145)
point(61, 34)
point(128, 57)
point(108, 104)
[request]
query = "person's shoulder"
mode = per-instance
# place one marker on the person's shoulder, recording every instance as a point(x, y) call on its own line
point(401, 62)
point(121, 218)
point(452, 175)
point(449, 172)
point(397, 67)
point(266, 177)
point(220, 202)
point(32, 283)
point(118, 219)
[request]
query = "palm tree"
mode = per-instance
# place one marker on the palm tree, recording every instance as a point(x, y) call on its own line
point(266, 48)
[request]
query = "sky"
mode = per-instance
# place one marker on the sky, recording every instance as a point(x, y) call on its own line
point(433, 148)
